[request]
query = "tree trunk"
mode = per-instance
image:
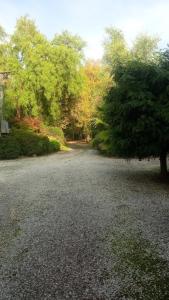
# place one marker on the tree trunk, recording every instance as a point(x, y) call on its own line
point(163, 163)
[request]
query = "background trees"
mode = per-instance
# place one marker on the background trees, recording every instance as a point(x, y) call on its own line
point(145, 48)
point(96, 80)
point(115, 48)
point(51, 80)
point(73, 42)
point(68, 59)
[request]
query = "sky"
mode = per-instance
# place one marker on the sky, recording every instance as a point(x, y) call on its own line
point(89, 18)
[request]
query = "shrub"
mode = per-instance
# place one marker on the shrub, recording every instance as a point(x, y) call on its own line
point(53, 146)
point(102, 142)
point(9, 148)
point(30, 143)
point(98, 125)
point(26, 143)
point(101, 137)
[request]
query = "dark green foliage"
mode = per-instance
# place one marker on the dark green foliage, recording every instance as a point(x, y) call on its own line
point(98, 125)
point(23, 142)
point(9, 148)
point(31, 143)
point(102, 142)
point(53, 146)
point(137, 110)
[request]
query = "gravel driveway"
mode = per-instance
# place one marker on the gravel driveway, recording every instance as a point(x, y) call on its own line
point(81, 226)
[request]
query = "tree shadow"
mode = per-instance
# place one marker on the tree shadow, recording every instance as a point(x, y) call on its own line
point(149, 177)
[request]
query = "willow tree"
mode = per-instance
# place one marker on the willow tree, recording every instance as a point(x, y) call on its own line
point(33, 75)
point(46, 76)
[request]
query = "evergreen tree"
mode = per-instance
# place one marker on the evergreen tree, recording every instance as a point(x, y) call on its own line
point(137, 111)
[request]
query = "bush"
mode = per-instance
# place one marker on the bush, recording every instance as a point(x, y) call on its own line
point(30, 143)
point(9, 148)
point(97, 126)
point(53, 146)
point(101, 137)
point(26, 143)
point(102, 142)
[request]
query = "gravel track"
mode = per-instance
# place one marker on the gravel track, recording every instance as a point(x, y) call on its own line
point(81, 226)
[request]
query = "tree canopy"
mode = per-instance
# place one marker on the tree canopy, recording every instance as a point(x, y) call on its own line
point(115, 48)
point(117, 51)
point(74, 42)
point(137, 111)
point(145, 47)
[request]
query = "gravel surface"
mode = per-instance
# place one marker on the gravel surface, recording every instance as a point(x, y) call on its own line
point(81, 226)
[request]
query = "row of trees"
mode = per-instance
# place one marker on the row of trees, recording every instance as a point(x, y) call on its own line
point(50, 80)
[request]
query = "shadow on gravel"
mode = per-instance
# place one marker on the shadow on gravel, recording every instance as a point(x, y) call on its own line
point(145, 176)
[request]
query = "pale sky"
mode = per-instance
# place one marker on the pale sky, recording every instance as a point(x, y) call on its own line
point(89, 18)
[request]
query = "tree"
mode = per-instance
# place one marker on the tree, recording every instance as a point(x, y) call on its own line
point(47, 77)
point(115, 48)
point(145, 48)
point(96, 80)
point(67, 59)
point(70, 41)
point(33, 77)
point(3, 34)
point(137, 111)
point(69, 80)
point(3, 49)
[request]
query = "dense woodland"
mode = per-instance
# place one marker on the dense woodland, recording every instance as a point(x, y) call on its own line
point(50, 80)
point(53, 92)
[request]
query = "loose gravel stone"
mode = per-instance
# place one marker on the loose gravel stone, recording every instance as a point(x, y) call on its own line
point(81, 226)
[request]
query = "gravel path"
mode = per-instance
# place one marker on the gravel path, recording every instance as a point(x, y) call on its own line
point(81, 226)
